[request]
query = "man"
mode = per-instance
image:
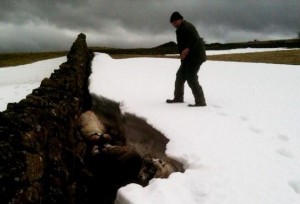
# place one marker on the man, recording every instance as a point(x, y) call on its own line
point(192, 55)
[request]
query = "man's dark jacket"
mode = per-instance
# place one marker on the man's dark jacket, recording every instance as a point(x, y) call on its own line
point(188, 37)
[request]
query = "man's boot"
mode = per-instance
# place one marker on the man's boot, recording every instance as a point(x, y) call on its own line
point(174, 100)
point(197, 104)
point(199, 97)
point(199, 101)
point(178, 93)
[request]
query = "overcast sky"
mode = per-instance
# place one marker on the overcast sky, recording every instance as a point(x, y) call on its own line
point(42, 25)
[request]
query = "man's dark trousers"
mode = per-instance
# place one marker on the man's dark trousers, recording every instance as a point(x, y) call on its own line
point(188, 72)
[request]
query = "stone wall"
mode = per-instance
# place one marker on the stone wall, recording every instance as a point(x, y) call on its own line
point(46, 157)
point(40, 145)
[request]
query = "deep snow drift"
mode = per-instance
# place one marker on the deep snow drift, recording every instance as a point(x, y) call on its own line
point(244, 147)
point(19, 81)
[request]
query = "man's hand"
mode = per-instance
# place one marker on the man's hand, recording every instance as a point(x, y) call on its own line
point(184, 53)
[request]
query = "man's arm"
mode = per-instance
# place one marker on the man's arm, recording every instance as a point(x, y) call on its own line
point(184, 53)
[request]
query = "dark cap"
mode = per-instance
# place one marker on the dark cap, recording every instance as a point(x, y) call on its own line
point(175, 16)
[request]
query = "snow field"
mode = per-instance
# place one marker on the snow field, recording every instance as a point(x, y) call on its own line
point(242, 148)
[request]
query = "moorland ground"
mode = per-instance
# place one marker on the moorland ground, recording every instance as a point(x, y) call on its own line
point(290, 56)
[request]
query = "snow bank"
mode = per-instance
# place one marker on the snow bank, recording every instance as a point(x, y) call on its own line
point(18, 81)
point(242, 148)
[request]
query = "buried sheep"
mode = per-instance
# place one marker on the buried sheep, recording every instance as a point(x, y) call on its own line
point(108, 166)
point(121, 149)
point(94, 131)
point(103, 155)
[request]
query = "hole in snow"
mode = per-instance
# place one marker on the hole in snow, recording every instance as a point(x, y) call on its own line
point(121, 148)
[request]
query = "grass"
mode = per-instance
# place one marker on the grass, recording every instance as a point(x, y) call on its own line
point(14, 59)
point(124, 56)
point(291, 57)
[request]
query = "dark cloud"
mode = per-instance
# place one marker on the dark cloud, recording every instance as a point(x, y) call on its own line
point(34, 25)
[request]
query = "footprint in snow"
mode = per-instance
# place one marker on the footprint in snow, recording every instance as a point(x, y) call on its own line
point(216, 106)
point(285, 153)
point(255, 130)
point(223, 114)
point(244, 118)
point(295, 185)
point(283, 137)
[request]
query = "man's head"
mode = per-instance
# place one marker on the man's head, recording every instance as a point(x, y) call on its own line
point(176, 19)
